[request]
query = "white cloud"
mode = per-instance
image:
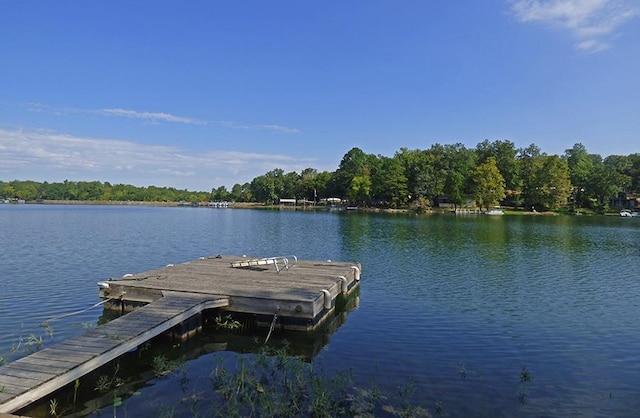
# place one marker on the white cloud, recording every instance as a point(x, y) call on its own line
point(277, 128)
point(150, 116)
point(157, 117)
point(591, 22)
point(43, 155)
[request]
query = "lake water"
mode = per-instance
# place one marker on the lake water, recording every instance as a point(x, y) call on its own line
point(461, 304)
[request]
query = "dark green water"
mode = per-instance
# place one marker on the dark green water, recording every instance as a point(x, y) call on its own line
point(460, 304)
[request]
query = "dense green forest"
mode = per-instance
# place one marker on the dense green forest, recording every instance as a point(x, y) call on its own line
point(491, 173)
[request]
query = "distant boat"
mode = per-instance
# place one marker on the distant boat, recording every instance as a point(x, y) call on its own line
point(334, 203)
point(494, 211)
point(626, 213)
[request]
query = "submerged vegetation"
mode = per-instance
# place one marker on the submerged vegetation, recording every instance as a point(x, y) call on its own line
point(491, 173)
point(269, 383)
point(274, 384)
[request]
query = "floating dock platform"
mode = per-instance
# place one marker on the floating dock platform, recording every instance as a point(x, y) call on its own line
point(283, 291)
point(301, 293)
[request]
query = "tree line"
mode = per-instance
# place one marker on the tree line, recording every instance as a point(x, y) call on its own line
point(492, 173)
point(95, 191)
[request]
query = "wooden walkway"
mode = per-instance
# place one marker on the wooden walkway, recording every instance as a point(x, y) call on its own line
point(37, 375)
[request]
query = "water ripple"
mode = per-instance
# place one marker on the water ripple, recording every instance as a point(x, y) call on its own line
point(462, 304)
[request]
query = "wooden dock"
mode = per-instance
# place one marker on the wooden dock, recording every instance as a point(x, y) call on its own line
point(300, 294)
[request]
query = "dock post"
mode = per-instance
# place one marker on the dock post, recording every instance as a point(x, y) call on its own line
point(187, 329)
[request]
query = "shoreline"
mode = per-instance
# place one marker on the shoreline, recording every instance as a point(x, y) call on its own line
point(256, 205)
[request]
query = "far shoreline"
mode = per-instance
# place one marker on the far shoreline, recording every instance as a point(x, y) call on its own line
point(257, 205)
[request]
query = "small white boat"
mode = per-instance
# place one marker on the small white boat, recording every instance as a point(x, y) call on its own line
point(494, 211)
point(626, 213)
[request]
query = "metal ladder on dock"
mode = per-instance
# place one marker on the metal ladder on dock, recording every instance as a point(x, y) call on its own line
point(278, 262)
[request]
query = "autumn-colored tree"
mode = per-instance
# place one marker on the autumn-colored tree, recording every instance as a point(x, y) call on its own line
point(489, 185)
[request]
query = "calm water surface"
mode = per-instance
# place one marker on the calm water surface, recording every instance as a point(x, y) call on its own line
point(460, 304)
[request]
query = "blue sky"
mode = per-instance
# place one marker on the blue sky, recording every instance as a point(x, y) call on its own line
point(200, 94)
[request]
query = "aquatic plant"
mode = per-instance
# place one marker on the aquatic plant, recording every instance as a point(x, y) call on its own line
point(34, 343)
point(274, 383)
point(48, 328)
point(106, 382)
point(525, 377)
point(162, 366)
point(88, 325)
point(31, 344)
point(228, 323)
point(53, 407)
point(76, 386)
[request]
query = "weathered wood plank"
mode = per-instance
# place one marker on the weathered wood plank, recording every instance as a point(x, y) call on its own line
point(86, 349)
point(13, 384)
point(53, 366)
point(40, 375)
point(99, 342)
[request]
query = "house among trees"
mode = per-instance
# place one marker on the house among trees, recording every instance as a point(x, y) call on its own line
point(626, 200)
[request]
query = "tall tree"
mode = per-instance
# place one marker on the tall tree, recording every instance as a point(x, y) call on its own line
point(413, 162)
point(360, 189)
point(308, 187)
point(505, 153)
point(554, 183)
point(580, 165)
point(634, 172)
point(220, 194)
point(291, 185)
point(241, 192)
point(321, 185)
point(623, 166)
point(390, 182)
point(8, 191)
point(489, 185)
point(458, 164)
point(432, 174)
point(263, 188)
point(530, 161)
point(606, 182)
point(354, 163)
